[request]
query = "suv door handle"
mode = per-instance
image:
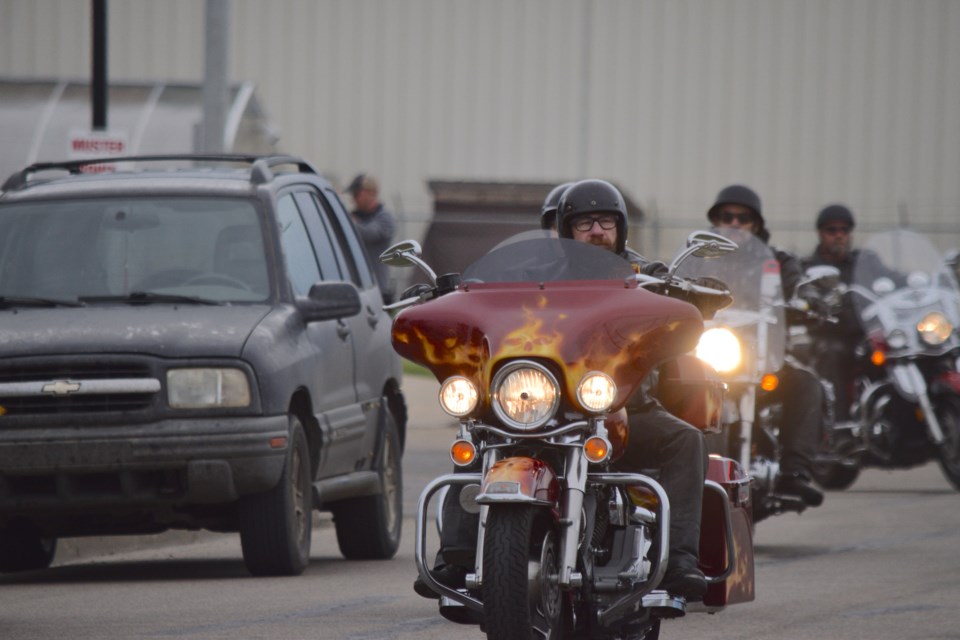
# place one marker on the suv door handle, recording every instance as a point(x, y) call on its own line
point(343, 329)
point(372, 318)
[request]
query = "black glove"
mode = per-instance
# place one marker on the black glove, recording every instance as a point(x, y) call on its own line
point(655, 268)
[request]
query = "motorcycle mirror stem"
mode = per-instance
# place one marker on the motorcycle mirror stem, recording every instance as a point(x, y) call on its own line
point(406, 253)
point(703, 244)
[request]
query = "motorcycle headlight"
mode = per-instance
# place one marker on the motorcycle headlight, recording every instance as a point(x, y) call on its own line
point(720, 348)
point(458, 396)
point(934, 328)
point(525, 395)
point(596, 392)
point(205, 388)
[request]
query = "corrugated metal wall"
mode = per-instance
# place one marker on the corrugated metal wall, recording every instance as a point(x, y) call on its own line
point(807, 101)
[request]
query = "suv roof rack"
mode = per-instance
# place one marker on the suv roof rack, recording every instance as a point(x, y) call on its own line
point(261, 169)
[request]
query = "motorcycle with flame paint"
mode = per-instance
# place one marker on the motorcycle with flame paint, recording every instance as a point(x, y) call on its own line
point(538, 346)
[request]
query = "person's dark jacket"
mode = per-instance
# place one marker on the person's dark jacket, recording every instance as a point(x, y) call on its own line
point(376, 232)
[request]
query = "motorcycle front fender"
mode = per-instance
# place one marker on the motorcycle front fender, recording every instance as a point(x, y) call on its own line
point(947, 382)
point(520, 480)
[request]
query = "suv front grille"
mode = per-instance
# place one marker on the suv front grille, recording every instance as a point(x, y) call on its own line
point(71, 387)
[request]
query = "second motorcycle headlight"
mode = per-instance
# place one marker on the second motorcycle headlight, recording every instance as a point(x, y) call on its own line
point(720, 348)
point(934, 329)
point(525, 395)
point(596, 391)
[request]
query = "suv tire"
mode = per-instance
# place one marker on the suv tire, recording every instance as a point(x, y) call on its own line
point(368, 528)
point(275, 526)
point(25, 551)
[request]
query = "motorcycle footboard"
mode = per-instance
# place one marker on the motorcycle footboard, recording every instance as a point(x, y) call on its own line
point(420, 545)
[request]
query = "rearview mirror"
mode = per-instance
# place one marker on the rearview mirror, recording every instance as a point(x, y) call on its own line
point(399, 254)
point(823, 276)
point(710, 245)
point(406, 253)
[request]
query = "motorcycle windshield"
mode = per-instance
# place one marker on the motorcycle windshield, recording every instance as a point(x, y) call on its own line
point(899, 278)
point(756, 315)
point(538, 256)
point(569, 305)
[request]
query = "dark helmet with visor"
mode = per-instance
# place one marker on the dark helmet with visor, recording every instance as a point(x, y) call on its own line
point(592, 196)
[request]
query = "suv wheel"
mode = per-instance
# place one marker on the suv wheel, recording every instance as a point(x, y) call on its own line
point(25, 551)
point(368, 528)
point(275, 525)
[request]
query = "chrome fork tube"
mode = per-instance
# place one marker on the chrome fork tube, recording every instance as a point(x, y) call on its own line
point(570, 517)
point(748, 409)
point(490, 458)
point(934, 430)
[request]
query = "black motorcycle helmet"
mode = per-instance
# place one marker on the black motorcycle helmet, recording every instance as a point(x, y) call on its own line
point(548, 211)
point(835, 213)
point(592, 196)
point(745, 197)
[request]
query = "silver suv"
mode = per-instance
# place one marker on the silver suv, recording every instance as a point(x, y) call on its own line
point(200, 344)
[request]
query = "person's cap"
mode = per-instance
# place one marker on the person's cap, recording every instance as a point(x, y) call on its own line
point(360, 182)
point(835, 213)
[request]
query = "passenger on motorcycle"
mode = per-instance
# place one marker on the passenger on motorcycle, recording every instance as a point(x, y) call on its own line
point(548, 211)
point(594, 211)
point(801, 394)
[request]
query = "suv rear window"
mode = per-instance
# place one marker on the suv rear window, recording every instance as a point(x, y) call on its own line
point(207, 248)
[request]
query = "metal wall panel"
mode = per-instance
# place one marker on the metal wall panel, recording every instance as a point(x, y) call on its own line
point(809, 102)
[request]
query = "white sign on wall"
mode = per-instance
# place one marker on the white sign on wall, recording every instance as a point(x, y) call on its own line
point(85, 144)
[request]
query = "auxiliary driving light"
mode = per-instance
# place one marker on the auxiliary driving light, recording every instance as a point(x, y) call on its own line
point(934, 329)
point(596, 392)
point(458, 396)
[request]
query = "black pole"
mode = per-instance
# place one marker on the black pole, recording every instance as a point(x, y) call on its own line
point(99, 83)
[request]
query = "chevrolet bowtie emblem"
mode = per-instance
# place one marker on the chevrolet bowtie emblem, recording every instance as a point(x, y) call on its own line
point(60, 388)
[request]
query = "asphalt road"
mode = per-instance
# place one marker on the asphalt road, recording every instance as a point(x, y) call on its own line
point(878, 561)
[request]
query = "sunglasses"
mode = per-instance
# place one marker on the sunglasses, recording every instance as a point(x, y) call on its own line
point(832, 231)
point(585, 224)
point(727, 217)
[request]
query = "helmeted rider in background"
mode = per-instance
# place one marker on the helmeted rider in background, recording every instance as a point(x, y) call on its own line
point(835, 344)
point(738, 206)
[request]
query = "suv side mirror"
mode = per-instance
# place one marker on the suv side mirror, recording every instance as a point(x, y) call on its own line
point(329, 301)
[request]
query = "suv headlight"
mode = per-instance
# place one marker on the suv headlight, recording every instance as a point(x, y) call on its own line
point(525, 395)
point(934, 329)
point(203, 388)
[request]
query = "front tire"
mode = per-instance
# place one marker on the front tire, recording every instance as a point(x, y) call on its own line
point(368, 528)
point(948, 454)
point(276, 525)
point(521, 563)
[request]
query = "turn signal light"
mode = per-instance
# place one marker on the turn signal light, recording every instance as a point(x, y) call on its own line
point(878, 358)
point(769, 382)
point(463, 453)
point(596, 448)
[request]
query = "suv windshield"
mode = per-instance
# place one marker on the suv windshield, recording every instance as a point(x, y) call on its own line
point(107, 249)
